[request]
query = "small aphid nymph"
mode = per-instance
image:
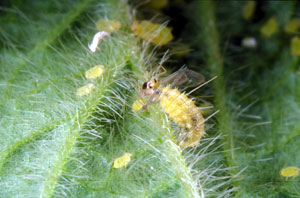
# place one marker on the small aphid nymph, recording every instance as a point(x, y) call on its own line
point(123, 160)
point(94, 72)
point(155, 33)
point(177, 105)
point(85, 90)
point(290, 171)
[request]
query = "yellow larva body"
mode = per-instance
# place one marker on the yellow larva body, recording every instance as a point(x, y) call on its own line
point(185, 113)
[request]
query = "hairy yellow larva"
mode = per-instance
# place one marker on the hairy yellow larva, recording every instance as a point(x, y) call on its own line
point(123, 160)
point(185, 113)
point(177, 105)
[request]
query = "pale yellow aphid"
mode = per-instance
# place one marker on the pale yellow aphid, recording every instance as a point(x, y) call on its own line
point(94, 72)
point(137, 105)
point(270, 27)
point(84, 90)
point(177, 105)
point(153, 32)
point(292, 26)
point(249, 9)
point(108, 25)
point(295, 46)
point(123, 160)
point(290, 171)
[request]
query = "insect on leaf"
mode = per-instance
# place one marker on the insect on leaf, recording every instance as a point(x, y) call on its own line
point(290, 171)
point(84, 90)
point(292, 26)
point(137, 105)
point(295, 46)
point(94, 72)
point(249, 9)
point(153, 32)
point(122, 161)
point(270, 27)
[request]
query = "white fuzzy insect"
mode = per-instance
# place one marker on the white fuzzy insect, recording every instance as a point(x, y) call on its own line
point(97, 39)
point(249, 42)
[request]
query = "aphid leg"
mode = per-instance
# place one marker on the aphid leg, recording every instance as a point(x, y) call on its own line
point(163, 72)
point(141, 93)
point(152, 100)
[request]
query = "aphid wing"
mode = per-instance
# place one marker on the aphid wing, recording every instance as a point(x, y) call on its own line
point(175, 79)
point(194, 78)
point(184, 76)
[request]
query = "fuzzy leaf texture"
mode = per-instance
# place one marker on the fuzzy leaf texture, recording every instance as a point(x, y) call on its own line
point(257, 92)
point(61, 129)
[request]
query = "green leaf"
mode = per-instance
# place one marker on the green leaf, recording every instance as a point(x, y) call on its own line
point(56, 144)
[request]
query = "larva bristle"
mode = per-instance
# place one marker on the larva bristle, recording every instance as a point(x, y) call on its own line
point(186, 114)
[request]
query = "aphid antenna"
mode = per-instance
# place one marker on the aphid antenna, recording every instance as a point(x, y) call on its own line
point(163, 59)
point(202, 85)
point(183, 67)
point(146, 56)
